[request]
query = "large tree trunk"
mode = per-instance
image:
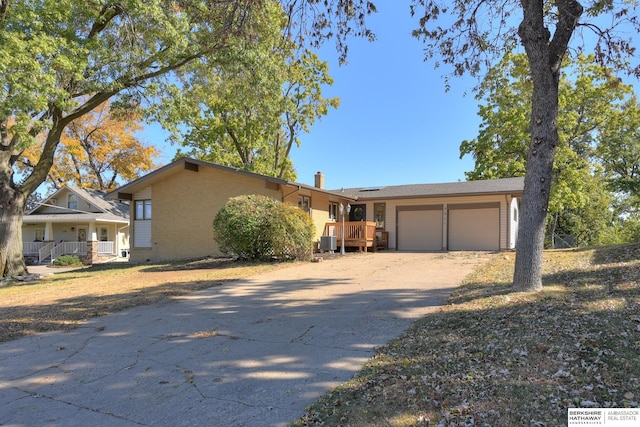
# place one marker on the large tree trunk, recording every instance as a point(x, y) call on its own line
point(537, 186)
point(545, 61)
point(11, 210)
point(13, 199)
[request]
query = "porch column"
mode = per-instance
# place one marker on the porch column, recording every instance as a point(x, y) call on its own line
point(92, 234)
point(48, 232)
point(92, 256)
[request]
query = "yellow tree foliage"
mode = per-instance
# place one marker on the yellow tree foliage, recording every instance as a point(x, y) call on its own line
point(98, 151)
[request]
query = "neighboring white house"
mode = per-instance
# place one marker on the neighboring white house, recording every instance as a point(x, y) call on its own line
point(76, 221)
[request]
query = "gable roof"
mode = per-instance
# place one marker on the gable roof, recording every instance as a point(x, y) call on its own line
point(125, 192)
point(513, 186)
point(103, 209)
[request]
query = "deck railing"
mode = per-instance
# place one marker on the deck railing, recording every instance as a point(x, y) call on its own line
point(360, 234)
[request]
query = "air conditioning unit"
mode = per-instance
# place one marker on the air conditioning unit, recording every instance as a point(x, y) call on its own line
point(328, 243)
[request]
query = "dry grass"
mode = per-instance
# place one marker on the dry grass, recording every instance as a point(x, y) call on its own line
point(494, 358)
point(62, 301)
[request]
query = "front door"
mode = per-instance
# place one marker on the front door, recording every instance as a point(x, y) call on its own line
point(82, 234)
point(358, 213)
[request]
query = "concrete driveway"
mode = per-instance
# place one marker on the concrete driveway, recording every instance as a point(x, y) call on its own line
point(250, 353)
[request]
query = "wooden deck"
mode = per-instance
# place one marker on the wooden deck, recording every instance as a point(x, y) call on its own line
point(357, 234)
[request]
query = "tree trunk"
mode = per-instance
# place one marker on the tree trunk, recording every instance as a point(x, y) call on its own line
point(537, 186)
point(13, 199)
point(11, 210)
point(545, 61)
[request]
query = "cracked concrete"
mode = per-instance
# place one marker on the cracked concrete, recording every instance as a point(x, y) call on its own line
point(250, 353)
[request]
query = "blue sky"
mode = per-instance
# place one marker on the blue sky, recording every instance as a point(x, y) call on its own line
point(395, 124)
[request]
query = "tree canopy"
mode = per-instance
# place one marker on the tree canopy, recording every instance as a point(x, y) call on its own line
point(97, 151)
point(470, 35)
point(61, 60)
point(620, 155)
point(250, 111)
point(592, 104)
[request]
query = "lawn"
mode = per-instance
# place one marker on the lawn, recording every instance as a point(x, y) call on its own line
point(487, 357)
point(495, 358)
point(62, 301)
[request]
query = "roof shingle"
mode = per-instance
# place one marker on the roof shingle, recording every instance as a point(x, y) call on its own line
point(493, 186)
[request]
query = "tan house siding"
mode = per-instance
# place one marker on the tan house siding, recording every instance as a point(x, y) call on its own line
point(184, 206)
point(319, 206)
point(143, 194)
point(188, 193)
point(320, 213)
point(504, 224)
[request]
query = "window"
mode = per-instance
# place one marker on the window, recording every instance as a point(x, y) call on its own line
point(39, 235)
point(378, 212)
point(142, 224)
point(104, 234)
point(72, 201)
point(333, 211)
point(304, 203)
point(143, 209)
point(515, 214)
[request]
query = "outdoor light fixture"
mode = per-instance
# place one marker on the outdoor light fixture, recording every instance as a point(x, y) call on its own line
point(342, 214)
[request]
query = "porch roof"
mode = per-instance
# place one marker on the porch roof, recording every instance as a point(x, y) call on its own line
point(73, 218)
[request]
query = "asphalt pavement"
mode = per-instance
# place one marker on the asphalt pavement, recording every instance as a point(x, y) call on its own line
point(254, 352)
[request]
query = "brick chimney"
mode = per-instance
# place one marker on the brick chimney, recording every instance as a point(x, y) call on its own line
point(319, 182)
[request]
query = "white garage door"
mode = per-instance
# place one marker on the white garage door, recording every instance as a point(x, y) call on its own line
point(474, 229)
point(420, 230)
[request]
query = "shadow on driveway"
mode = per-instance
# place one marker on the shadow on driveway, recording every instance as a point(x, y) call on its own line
point(254, 352)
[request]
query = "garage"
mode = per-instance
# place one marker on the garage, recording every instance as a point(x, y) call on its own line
point(420, 228)
point(474, 227)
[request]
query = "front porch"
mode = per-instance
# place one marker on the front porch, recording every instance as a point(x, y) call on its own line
point(357, 234)
point(91, 252)
point(93, 242)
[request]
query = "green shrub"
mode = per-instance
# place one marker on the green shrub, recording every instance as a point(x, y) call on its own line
point(67, 261)
point(292, 232)
point(257, 227)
